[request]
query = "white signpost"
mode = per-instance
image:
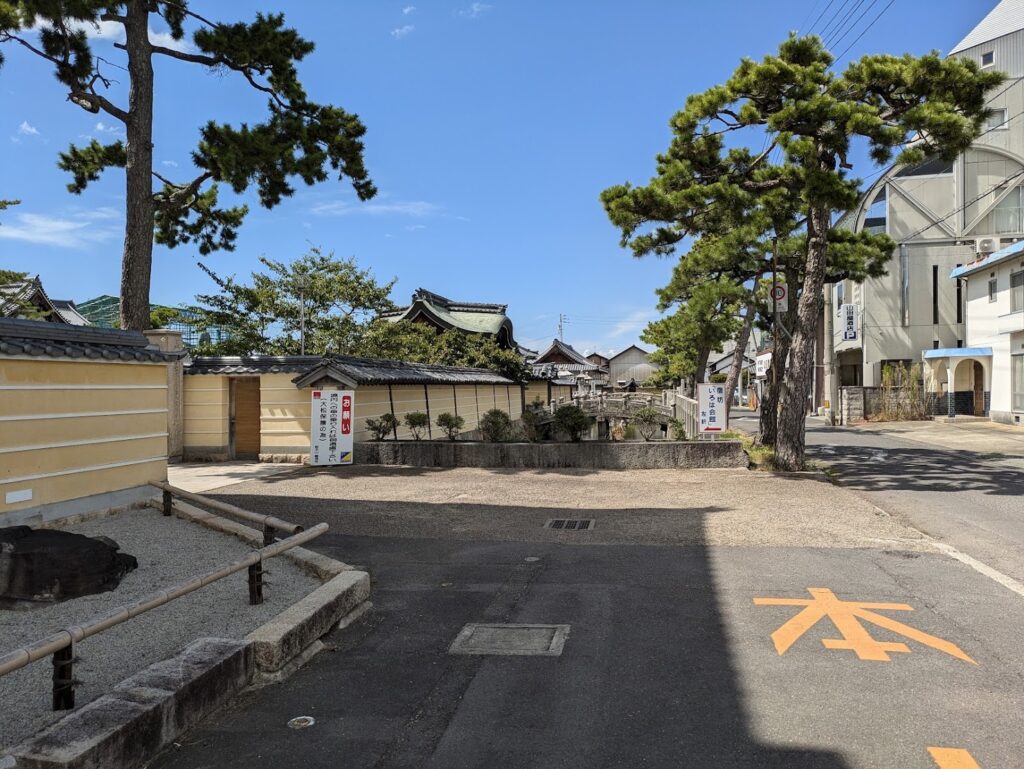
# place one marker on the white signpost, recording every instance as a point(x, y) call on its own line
point(711, 405)
point(780, 295)
point(762, 363)
point(850, 314)
point(330, 437)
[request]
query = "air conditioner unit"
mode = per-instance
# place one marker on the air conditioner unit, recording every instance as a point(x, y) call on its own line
point(986, 245)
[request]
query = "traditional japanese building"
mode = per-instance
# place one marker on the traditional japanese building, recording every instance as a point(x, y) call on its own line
point(25, 297)
point(489, 320)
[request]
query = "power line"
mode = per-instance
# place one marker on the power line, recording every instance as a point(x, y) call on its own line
point(864, 31)
point(849, 29)
point(840, 20)
point(808, 16)
point(962, 208)
point(823, 12)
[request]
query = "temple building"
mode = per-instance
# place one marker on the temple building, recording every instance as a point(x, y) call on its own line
point(443, 314)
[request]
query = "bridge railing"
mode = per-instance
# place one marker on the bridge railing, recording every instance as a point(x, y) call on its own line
point(685, 409)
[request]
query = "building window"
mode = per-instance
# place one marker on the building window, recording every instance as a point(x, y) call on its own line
point(1017, 291)
point(959, 300)
point(935, 344)
point(996, 119)
point(988, 58)
point(1017, 382)
point(840, 296)
point(1006, 216)
point(935, 293)
point(933, 166)
point(993, 288)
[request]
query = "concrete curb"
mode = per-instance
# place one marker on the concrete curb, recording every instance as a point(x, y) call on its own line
point(285, 637)
point(126, 728)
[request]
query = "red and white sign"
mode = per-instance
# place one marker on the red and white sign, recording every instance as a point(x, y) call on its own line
point(780, 297)
point(331, 434)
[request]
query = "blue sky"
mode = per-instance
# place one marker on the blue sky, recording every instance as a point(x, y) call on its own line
point(492, 129)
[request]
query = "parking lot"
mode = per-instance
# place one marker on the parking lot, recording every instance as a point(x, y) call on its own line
point(706, 628)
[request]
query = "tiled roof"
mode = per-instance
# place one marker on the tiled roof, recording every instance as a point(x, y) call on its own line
point(558, 346)
point(362, 371)
point(474, 317)
point(553, 370)
point(58, 340)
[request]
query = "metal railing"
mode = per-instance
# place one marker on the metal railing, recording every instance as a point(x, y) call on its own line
point(61, 644)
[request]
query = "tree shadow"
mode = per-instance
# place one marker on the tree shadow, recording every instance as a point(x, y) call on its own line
point(646, 677)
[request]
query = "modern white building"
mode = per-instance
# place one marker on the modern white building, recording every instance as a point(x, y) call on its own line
point(942, 216)
point(630, 365)
point(994, 352)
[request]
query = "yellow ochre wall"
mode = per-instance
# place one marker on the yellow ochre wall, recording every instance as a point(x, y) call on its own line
point(284, 415)
point(205, 417)
point(72, 429)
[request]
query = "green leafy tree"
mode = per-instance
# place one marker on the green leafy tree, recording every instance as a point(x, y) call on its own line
point(572, 421)
point(903, 106)
point(333, 299)
point(496, 426)
point(298, 139)
point(534, 429)
point(450, 424)
point(383, 426)
point(162, 317)
point(417, 422)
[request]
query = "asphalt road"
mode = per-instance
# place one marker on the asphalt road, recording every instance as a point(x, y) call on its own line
point(970, 499)
point(677, 655)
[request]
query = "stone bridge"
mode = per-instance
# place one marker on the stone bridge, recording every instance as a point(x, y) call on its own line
point(609, 407)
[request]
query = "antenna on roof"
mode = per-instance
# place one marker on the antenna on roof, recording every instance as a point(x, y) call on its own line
point(561, 334)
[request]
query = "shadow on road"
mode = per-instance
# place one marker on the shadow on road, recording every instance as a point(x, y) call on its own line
point(646, 678)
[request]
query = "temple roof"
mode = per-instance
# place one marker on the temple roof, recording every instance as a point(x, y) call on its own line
point(471, 317)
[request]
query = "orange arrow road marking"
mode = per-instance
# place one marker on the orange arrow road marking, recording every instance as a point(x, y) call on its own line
point(953, 758)
point(847, 617)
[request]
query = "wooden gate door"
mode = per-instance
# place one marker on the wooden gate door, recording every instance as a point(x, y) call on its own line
point(245, 417)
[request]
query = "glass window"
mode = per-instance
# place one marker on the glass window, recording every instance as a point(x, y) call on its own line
point(931, 166)
point(1007, 215)
point(996, 119)
point(988, 58)
point(993, 287)
point(1017, 291)
point(1017, 368)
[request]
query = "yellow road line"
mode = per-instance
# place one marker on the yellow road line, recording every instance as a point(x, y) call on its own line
point(953, 758)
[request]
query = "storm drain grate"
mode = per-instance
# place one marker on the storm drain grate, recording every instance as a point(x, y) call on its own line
point(570, 524)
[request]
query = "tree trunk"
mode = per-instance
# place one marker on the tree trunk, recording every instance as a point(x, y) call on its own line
point(789, 445)
point(737, 358)
point(702, 369)
point(137, 261)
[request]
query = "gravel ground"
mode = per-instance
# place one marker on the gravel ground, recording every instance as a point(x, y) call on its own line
point(169, 551)
point(671, 507)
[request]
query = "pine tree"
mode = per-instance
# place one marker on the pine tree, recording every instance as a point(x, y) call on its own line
point(298, 139)
point(905, 108)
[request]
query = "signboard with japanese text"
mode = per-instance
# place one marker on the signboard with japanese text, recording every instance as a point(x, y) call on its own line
point(762, 363)
point(711, 408)
point(331, 427)
point(850, 315)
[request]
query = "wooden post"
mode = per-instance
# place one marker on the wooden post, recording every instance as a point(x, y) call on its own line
point(63, 678)
point(167, 502)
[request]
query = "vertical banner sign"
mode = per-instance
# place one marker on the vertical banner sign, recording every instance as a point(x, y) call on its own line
point(711, 405)
point(330, 438)
point(849, 313)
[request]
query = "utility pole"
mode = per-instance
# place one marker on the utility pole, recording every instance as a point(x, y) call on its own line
point(561, 334)
point(302, 283)
point(831, 382)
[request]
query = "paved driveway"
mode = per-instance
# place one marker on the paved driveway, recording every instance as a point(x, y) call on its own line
point(716, 619)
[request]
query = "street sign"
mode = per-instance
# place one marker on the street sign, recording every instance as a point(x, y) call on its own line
point(331, 427)
point(850, 314)
point(711, 405)
point(762, 363)
point(780, 294)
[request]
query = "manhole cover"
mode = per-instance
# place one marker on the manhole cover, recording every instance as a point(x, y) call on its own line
point(570, 524)
point(302, 722)
point(475, 638)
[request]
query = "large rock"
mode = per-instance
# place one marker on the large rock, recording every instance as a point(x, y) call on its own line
point(48, 565)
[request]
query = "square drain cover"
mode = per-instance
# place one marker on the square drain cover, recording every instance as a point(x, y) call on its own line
point(570, 524)
point(477, 638)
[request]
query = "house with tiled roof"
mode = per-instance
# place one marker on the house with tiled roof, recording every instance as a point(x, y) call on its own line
point(489, 320)
point(25, 298)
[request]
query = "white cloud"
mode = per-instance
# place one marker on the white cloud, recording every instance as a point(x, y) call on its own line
point(169, 163)
point(114, 32)
point(474, 11)
point(74, 231)
point(413, 227)
point(164, 40)
point(408, 9)
point(417, 208)
point(27, 130)
point(103, 128)
point(401, 32)
point(633, 323)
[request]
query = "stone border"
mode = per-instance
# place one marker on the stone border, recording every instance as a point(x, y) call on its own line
point(632, 455)
point(147, 711)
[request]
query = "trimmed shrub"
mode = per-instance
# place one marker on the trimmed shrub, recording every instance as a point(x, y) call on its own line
point(647, 421)
point(572, 421)
point(383, 426)
point(417, 422)
point(496, 426)
point(533, 430)
point(451, 424)
point(678, 429)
